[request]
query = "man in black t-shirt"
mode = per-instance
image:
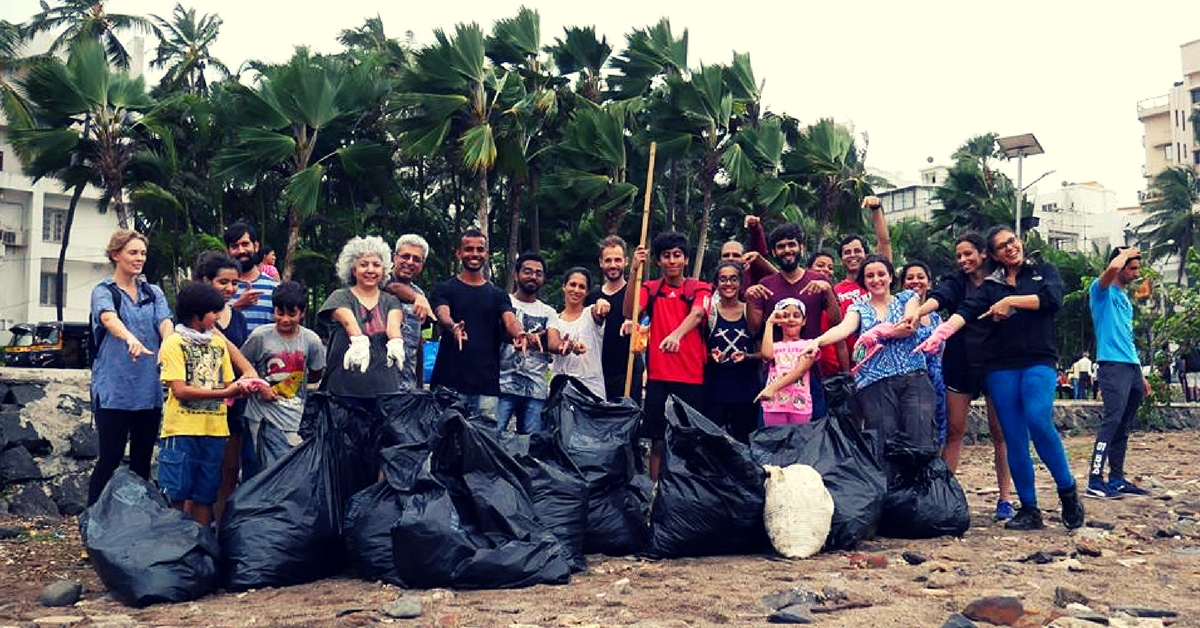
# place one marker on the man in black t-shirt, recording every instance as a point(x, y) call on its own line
point(475, 317)
point(615, 353)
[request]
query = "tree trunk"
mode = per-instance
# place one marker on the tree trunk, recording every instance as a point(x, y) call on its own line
point(535, 219)
point(514, 229)
point(61, 288)
point(671, 190)
point(698, 265)
point(293, 224)
point(484, 218)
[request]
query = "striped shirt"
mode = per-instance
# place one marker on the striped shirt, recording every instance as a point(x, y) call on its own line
point(263, 312)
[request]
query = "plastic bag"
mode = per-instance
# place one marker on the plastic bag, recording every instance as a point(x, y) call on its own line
point(710, 491)
point(469, 521)
point(372, 512)
point(798, 510)
point(848, 468)
point(283, 527)
point(145, 551)
point(924, 499)
point(412, 416)
point(597, 436)
point(559, 492)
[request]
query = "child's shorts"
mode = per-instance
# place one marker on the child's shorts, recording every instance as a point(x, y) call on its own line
point(189, 467)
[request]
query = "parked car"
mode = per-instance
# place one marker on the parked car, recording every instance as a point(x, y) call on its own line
point(49, 345)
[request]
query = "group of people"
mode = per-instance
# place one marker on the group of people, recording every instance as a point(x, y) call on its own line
point(755, 347)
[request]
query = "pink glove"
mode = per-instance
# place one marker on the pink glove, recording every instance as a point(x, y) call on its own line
point(869, 344)
point(934, 343)
point(251, 384)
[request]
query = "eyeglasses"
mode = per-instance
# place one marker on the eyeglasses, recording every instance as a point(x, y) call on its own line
point(1013, 241)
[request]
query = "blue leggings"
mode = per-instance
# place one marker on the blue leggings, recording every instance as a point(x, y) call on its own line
point(1024, 400)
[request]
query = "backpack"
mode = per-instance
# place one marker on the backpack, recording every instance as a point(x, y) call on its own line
point(97, 337)
point(654, 288)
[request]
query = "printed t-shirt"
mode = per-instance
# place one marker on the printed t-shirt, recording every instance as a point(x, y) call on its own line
point(204, 366)
point(726, 381)
point(897, 355)
point(523, 373)
point(687, 365)
point(379, 378)
point(586, 367)
point(475, 370)
point(284, 362)
point(797, 396)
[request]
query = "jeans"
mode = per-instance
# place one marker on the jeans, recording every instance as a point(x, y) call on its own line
point(1024, 402)
point(1122, 391)
point(481, 410)
point(528, 411)
point(115, 428)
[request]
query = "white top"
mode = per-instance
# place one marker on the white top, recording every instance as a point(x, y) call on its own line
point(586, 367)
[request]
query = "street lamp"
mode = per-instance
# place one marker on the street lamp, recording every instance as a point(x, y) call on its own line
point(1019, 146)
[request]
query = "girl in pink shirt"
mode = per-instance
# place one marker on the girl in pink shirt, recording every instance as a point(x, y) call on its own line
point(786, 398)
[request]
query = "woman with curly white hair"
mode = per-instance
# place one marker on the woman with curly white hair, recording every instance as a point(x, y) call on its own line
point(366, 352)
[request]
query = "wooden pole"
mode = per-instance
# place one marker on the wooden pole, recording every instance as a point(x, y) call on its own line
point(637, 276)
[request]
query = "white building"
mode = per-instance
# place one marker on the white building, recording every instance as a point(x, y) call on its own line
point(1079, 216)
point(914, 200)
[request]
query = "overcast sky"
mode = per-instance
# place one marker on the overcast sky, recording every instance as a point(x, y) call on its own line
point(918, 77)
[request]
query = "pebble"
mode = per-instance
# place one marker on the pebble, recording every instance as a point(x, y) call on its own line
point(914, 558)
point(958, 621)
point(58, 620)
point(622, 586)
point(1088, 547)
point(10, 532)
point(794, 614)
point(1141, 611)
point(403, 607)
point(1000, 610)
point(1066, 595)
point(61, 593)
point(1074, 622)
point(780, 599)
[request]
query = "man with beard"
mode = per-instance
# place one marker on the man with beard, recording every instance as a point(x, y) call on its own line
point(523, 386)
point(255, 289)
point(614, 357)
point(473, 315)
point(408, 261)
point(854, 250)
point(795, 281)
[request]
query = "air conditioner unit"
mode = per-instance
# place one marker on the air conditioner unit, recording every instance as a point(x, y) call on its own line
point(12, 238)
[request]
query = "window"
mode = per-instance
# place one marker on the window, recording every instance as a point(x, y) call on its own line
point(1050, 207)
point(1169, 153)
point(53, 223)
point(48, 294)
point(1196, 157)
point(1196, 96)
point(2, 170)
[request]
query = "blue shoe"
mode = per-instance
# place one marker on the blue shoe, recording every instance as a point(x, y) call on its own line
point(1005, 510)
point(1099, 490)
point(1125, 487)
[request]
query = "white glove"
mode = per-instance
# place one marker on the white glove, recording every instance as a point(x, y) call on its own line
point(395, 352)
point(358, 355)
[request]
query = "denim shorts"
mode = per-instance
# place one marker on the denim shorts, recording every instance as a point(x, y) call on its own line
point(189, 467)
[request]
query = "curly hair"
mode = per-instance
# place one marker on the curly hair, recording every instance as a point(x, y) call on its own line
point(358, 248)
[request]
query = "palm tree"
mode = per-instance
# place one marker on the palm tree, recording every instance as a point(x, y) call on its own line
point(391, 55)
point(281, 126)
point(974, 195)
point(86, 20)
point(826, 159)
point(649, 53)
point(83, 119)
point(1172, 220)
point(12, 101)
point(183, 49)
point(582, 53)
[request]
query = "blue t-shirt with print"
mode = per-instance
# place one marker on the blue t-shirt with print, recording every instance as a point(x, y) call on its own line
point(896, 356)
point(1112, 317)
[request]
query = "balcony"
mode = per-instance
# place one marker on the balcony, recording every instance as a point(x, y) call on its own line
point(1159, 105)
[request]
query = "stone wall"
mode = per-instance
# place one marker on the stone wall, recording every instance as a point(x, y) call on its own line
point(47, 442)
point(1075, 417)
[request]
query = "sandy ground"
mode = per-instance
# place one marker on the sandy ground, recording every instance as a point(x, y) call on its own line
point(1149, 556)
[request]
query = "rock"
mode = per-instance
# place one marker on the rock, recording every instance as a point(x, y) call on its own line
point(1066, 595)
point(18, 432)
point(1073, 565)
point(61, 593)
point(16, 465)
point(403, 607)
point(1141, 611)
point(1074, 622)
point(869, 561)
point(914, 558)
point(1103, 525)
point(29, 500)
point(1167, 533)
point(70, 494)
point(780, 599)
point(958, 621)
point(1089, 547)
point(1000, 610)
point(24, 394)
point(794, 614)
point(1038, 558)
point(833, 594)
point(10, 532)
point(622, 586)
point(85, 444)
point(58, 620)
point(70, 404)
point(1121, 620)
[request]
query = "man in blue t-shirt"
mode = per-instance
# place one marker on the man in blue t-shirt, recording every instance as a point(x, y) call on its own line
point(253, 296)
point(1122, 385)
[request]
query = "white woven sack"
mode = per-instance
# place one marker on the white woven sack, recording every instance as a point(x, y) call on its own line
point(798, 510)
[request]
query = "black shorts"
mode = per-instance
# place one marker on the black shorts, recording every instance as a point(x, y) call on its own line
point(970, 380)
point(654, 417)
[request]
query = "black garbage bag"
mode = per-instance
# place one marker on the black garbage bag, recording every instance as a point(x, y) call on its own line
point(283, 527)
point(924, 499)
point(373, 511)
point(355, 431)
point(836, 449)
point(559, 492)
point(598, 437)
point(710, 491)
point(469, 520)
point(145, 551)
point(412, 416)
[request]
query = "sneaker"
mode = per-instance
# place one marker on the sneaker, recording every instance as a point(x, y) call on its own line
point(1004, 510)
point(1124, 487)
point(1026, 519)
point(1072, 508)
point(1099, 490)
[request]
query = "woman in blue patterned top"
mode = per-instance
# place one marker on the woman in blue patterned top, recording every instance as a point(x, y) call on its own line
point(893, 395)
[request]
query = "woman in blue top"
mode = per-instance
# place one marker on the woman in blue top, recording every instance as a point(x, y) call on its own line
point(1020, 299)
point(893, 395)
point(129, 318)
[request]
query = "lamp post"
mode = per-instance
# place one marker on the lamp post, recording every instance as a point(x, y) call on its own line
point(1019, 146)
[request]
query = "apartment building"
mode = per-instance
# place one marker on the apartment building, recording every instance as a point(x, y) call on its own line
point(1169, 137)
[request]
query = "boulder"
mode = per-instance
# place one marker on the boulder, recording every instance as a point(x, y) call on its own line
point(70, 493)
point(29, 500)
point(85, 444)
point(22, 433)
point(22, 394)
point(61, 593)
point(999, 610)
point(16, 465)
